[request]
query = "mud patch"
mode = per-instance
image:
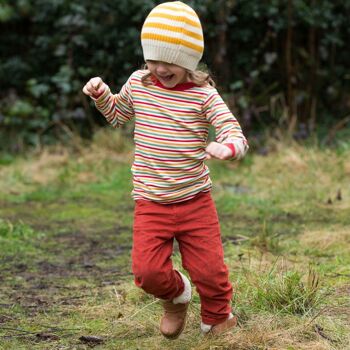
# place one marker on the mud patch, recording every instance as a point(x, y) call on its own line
point(71, 265)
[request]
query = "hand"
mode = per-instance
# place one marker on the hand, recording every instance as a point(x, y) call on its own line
point(95, 87)
point(217, 150)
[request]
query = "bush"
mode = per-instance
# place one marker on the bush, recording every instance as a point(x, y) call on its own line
point(277, 63)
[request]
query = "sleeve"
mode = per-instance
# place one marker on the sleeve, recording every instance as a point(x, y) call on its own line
point(117, 109)
point(227, 129)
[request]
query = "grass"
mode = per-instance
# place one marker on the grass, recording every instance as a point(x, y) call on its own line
point(65, 240)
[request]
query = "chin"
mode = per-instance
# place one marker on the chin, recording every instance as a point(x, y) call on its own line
point(169, 85)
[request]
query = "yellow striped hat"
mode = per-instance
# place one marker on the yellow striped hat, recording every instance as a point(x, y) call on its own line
point(172, 33)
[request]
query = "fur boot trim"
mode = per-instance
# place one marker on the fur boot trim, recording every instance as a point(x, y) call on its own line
point(185, 296)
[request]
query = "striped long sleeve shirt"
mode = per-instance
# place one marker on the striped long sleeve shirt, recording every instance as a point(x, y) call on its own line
point(171, 131)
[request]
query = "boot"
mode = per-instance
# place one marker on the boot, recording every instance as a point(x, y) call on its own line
point(220, 328)
point(225, 326)
point(174, 318)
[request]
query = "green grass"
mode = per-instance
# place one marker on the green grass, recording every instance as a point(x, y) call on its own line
point(66, 234)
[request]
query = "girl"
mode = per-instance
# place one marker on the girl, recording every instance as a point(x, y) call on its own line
point(173, 106)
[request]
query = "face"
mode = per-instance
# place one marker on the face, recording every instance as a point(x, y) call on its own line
point(168, 74)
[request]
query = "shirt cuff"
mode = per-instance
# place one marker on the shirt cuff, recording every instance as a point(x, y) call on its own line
point(231, 146)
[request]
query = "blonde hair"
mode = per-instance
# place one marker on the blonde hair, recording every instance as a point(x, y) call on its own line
point(199, 77)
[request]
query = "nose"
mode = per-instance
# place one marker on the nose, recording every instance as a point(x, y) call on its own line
point(161, 68)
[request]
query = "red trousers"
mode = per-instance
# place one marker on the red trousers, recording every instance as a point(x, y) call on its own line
point(194, 224)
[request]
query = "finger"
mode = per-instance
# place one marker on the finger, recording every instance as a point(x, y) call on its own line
point(98, 93)
point(212, 151)
point(96, 83)
point(100, 90)
point(86, 90)
point(209, 151)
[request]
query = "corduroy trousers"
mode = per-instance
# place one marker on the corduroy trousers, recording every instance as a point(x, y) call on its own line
point(194, 224)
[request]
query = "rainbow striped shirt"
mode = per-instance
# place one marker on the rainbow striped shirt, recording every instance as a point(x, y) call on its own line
point(171, 130)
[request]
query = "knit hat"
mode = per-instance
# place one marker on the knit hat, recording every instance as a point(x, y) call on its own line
point(172, 33)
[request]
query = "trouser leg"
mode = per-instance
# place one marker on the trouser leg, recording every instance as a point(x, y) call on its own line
point(152, 248)
point(202, 256)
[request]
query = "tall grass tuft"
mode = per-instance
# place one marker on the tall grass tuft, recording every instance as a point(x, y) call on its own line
point(289, 293)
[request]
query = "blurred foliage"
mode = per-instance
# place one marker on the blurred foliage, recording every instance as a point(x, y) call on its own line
point(278, 63)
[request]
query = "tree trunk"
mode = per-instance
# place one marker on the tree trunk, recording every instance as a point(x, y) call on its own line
point(292, 116)
point(221, 62)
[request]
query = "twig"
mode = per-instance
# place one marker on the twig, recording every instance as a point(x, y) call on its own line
point(320, 331)
point(117, 295)
point(52, 328)
point(58, 328)
point(145, 307)
point(14, 335)
point(18, 330)
point(6, 305)
point(317, 315)
point(73, 297)
point(336, 274)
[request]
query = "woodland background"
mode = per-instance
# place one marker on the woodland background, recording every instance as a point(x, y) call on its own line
point(280, 64)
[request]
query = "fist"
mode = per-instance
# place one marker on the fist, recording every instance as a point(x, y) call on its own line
point(95, 87)
point(217, 150)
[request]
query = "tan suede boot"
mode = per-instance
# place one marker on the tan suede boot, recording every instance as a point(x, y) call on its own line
point(225, 326)
point(174, 319)
point(220, 328)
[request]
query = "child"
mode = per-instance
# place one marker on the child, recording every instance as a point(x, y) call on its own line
point(173, 106)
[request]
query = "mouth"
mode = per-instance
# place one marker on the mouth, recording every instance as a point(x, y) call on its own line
point(166, 78)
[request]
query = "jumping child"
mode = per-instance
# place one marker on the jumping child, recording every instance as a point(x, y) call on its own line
point(174, 105)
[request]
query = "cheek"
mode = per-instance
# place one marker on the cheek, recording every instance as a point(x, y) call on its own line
point(181, 74)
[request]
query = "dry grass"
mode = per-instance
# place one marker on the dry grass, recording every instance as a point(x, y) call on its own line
point(333, 238)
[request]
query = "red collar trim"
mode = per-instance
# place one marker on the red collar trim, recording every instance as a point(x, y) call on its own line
point(178, 87)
